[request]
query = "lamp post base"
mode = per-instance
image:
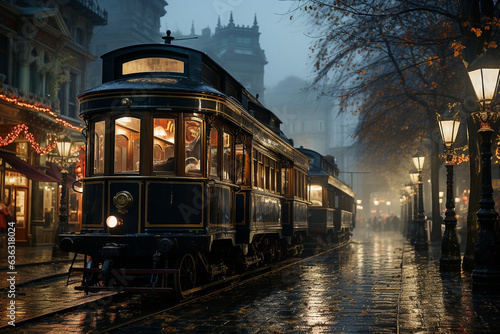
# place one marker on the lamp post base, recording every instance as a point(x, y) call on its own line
point(421, 245)
point(450, 264)
point(486, 281)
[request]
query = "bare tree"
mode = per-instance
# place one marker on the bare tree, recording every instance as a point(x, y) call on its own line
point(398, 63)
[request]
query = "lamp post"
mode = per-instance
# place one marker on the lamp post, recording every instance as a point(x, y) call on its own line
point(450, 250)
point(409, 191)
point(484, 73)
point(414, 179)
point(63, 146)
point(421, 243)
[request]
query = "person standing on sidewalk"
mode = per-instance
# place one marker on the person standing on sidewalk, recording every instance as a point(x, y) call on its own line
point(3, 223)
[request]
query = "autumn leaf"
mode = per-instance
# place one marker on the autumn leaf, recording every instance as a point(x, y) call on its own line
point(477, 31)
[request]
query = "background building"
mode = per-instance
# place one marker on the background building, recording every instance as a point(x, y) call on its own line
point(129, 22)
point(236, 48)
point(44, 61)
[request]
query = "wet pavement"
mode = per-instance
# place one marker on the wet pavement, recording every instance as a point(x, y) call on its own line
point(377, 284)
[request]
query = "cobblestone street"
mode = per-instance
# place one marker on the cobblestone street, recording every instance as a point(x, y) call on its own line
point(377, 284)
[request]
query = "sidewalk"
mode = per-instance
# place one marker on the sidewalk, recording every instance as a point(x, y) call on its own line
point(33, 254)
point(435, 302)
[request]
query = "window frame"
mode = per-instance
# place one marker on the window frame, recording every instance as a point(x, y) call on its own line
point(176, 143)
point(141, 132)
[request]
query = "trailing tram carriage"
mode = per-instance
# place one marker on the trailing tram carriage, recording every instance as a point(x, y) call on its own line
point(332, 206)
point(187, 177)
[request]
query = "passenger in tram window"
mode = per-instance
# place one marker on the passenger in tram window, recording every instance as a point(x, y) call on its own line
point(193, 146)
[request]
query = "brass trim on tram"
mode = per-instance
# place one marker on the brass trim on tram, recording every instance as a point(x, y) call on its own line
point(139, 201)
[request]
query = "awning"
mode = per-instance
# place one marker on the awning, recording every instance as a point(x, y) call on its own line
point(54, 171)
point(25, 168)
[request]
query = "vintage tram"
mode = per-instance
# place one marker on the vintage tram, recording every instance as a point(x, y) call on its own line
point(187, 177)
point(332, 207)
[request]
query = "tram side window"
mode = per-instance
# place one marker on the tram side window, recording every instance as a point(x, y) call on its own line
point(213, 151)
point(228, 156)
point(99, 131)
point(255, 175)
point(164, 145)
point(316, 194)
point(240, 164)
point(285, 175)
point(192, 130)
point(127, 144)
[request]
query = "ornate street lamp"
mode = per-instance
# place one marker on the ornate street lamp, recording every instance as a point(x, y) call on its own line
point(421, 243)
point(414, 179)
point(450, 250)
point(63, 146)
point(484, 73)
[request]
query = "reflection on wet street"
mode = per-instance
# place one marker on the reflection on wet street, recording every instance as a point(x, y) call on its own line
point(376, 284)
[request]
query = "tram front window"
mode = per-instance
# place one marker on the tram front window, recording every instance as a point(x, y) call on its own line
point(99, 132)
point(127, 144)
point(164, 144)
point(192, 129)
point(316, 193)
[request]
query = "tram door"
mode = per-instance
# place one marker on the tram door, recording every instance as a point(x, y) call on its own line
point(16, 195)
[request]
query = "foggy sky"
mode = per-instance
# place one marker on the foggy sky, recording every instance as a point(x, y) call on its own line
point(284, 41)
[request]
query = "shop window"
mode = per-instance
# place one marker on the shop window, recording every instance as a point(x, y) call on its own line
point(192, 131)
point(164, 145)
point(127, 144)
point(99, 131)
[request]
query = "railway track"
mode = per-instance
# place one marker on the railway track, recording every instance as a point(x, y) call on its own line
point(112, 303)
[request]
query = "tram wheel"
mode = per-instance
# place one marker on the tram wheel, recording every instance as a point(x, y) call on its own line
point(185, 278)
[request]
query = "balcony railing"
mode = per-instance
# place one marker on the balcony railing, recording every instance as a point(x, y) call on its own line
point(91, 10)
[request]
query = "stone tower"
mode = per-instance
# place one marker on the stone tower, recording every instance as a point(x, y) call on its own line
point(236, 48)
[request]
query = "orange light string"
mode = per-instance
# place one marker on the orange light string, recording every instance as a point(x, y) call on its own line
point(36, 146)
point(40, 109)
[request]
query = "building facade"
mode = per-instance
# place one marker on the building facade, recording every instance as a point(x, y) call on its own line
point(236, 48)
point(44, 62)
point(129, 22)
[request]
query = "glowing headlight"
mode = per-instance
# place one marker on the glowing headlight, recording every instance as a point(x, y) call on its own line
point(112, 221)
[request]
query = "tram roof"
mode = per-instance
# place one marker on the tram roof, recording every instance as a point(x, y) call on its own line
point(166, 67)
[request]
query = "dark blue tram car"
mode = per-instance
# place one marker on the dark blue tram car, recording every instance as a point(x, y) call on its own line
point(332, 206)
point(187, 177)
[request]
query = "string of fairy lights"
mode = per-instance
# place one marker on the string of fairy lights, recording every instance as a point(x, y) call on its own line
point(29, 136)
point(19, 128)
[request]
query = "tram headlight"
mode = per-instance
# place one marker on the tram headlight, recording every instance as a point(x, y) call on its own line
point(113, 221)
